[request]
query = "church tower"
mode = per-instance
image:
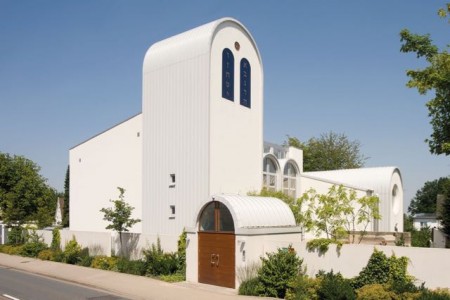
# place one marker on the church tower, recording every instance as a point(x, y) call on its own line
point(202, 123)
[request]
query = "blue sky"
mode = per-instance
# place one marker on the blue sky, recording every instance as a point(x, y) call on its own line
point(71, 69)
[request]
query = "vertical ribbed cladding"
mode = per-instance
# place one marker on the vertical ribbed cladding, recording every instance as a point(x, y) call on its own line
point(177, 116)
point(176, 126)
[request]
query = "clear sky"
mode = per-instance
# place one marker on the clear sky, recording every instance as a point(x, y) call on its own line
point(71, 69)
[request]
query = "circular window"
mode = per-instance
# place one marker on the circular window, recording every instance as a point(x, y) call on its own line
point(395, 199)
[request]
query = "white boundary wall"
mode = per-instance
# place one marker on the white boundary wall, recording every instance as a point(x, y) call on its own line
point(105, 243)
point(429, 265)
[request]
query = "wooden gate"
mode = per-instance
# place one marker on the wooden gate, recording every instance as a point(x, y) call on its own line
point(216, 258)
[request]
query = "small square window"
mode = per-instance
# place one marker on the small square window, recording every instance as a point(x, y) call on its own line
point(172, 181)
point(172, 212)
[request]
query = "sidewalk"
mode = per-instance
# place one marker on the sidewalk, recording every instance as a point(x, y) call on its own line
point(125, 285)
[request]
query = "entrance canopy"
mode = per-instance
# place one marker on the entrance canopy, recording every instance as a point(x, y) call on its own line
point(250, 213)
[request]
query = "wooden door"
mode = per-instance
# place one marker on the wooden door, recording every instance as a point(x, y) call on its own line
point(216, 258)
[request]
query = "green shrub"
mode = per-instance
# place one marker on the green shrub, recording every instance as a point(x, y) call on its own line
point(135, 267)
point(383, 270)
point(46, 254)
point(104, 262)
point(85, 258)
point(32, 249)
point(277, 271)
point(335, 287)
point(250, 287)
point(403, 287)
point(176, 277)
point(56, 239)
point(12, 249)
point(17, 236)
point(439, 294)
point(374, 292)
point(158, 262)
point(303, 288)
point(376, 271)
point(58, 256)
point(34, 245)
point(72, 252)
point(181, 253)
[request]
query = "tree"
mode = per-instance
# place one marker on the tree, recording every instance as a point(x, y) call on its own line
point(445, 222)
point(336, 214)
point(425, 199)
point(66, 213)
point(445, 219)
point(24, 193)
point(331, 151)
point(120, 215)
point(434, 77)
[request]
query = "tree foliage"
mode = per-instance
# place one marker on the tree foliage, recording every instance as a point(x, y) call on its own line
point(24, 193)
point(336, 213)
point(434, 77)
point(445, 219)
point(331, 151)
point(419, 238)
point(425, 199)
point(119, 216)
point(66, 211)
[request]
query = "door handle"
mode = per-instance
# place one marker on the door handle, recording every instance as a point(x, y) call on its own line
point(215, 259)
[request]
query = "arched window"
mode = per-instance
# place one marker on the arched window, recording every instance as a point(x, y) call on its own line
point(395, 199)
point(227, 74)
point(270, 174)
point(245, 83)
point(216, 217)
point(290, 180)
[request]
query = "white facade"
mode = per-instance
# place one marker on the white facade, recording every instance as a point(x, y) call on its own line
point(385, 182)
point(200, 139)
point(98, 166)
point(191, 143)
point(196, 142)
point(424, 220)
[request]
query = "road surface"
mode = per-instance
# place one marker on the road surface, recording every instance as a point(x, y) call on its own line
point(24, 286)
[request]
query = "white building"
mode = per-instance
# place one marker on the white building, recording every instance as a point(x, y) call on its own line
point(425, 220)
point(196, 151)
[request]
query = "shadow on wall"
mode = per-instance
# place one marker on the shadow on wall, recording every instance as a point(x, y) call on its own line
point(129, 247)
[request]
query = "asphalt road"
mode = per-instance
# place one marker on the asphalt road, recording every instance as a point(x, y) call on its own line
point(24, 286)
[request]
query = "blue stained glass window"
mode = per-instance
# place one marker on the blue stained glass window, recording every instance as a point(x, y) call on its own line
point(246, 81)
point(227, 74)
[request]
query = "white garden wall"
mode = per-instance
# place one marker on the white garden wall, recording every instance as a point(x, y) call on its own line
point(429, 265)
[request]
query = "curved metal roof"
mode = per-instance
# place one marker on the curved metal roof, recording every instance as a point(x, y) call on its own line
point(257, 212)
point(195, 42)
point(376, 179)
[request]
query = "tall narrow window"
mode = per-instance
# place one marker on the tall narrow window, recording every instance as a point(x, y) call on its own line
point(269, 174)
point(227, 74)
point(289, 180)
point(246, 80)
